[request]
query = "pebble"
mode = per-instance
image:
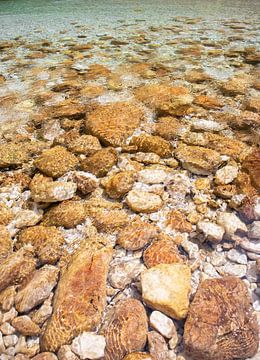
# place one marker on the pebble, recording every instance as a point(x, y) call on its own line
point(212, 232)
point(89, 346)
point(233, 269)
point(163, 324)
point(144, 202)
point(237, 256)
point(231, 223)
point(226, 175)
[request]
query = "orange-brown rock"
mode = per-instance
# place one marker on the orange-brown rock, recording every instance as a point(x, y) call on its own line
point(136, 235)
point(96, 71)
point(85, 144)
point(16, 267)
point(80, 298)
point(197, 76)
point(15, 177)
point(235, 86)
point(25, 326)
point(176, 220)
point(110, 220)
point(36, 288)
point(12, 154)
point(68, 108)
point(47, 242)
point(165, 99)
point(152, 143)
point(68, 214)
point(208, 102)
point(86, 183)
point(168, 128)
point(221, 323)
point(56, 161)
point(225, 145)
point(5, 243)
point(253, 104)
point(45, 356)
point(7, 298)
point(101, 162)
point(138, 356)
point(127, 330)
point(163, 251)
point(252, 165)
point(92, 91)
point(6, 214)
point(197, 159)
point(119, 184)
point(66, 86)
point(114, 123)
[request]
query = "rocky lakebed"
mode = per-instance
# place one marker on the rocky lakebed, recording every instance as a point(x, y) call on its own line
point(129, 192)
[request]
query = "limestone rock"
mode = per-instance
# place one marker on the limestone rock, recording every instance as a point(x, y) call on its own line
point(110, 220)
point(208, 102)
point(86, 182)
point(157, 346)
point(235, 86)
point(225, 145)
point(166, 287)
point(142, 201)
point(46, 241)
point(231, 224)
point(65, 353)
point(37, 288)
point(253, 104)
point(122, 273)
point(16, 267)
point(6, 214)
point(168, 128)
point(68, 214)
point(226, 174)
point(138, 356)
point(7, 298)
point(163, 324)
point(45, 356)
point(12, 154)
point(85, 144)
point(136, 235)
point(56, 161)
point(177, 221)
point(198, 160)
point(120, 184)
point(252, 166)
point(5, 243)
point(89, 346)
point(101, 162)
point(152, 143)
point(44, 189)
point(25, 326)
point(114, 123)
point(127, 329)
point(212, 232)
point(79, 299)
point(163, 251)
point(221, 323)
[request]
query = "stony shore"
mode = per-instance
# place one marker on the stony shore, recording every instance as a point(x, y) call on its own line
point(129, 194)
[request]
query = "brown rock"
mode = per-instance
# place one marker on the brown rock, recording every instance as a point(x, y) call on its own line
point(157, 346)
point(252, 165)
point(208, 102)
point(221, 323)
point(225, 145)
point(168, 128)
point(92, 91)
point(127, 329)
point(86, 183)
point(6, 214)
point(143, 201)
point(16, 267)
point(37, 288)
point(110, 220)
point(119, 184)
point(150, 143)
point(26, 326)
point(101, 162)
point(253, 104)
point(68, 108)
point(5, 243)
point(138, 356)
point(197, 76)
point(45, 356)
point(165, 99)
point(176, 220)
point(79, 299)
point(65, 353)
point(7, 298)
point(225, 191)
point(56, 161)
point(198, 160)
point(163, 251)
point(68, 214)
point(235, 86)
point(12, 154)
point(85, 144)
point(46, 240)
point(96, 71)
point(114, 123)
point(136, 235)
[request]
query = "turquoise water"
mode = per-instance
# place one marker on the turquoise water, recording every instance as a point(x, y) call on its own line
point(31, 17)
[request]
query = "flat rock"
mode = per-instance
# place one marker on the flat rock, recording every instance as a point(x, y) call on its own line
point(127, 329)
point(252, 166)
point(166, 287)
point(89, 346)
point(152, 143)
point(120, 184)
point(229, 330)
point(101, 162)
point(143, 201)
point(79, 299)
point(85, 144)
point(37, 288)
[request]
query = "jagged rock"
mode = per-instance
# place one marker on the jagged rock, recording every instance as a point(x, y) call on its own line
point(136, 235)
point(252, 165)
point(127, 329)
point(143, 201)
point(253, 104)
point(37, 288)
point(208, 102)
point(166, 287)
point(152, 143)
point(114, 123)
point(80, 297)
point(5, 243)
point(6, 214)
point(157, 346)
point(163, 251)
point(89, 346)
point(16, 267)
point(12, 154)
point(235, 86)
point(212, 232)
point(221, 323)
point(44, 189)
point(25, 326)
point(68, 214)
point(168, 128)
point(231, 224)
point(56, 161)
point(85, 144)
point(198, 160)
point(122, 273)
point(7, 298)
point(226, 174)
point(86, 183)
point(47, 242)
point(101, 162)
point(119, 184)
point(177, 221)
point(65, 353)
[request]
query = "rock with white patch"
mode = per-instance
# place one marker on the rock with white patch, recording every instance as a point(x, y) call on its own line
point(231, 223)
point(212, 232)
point(163, 324)
point(226, 175)
point(89, 346)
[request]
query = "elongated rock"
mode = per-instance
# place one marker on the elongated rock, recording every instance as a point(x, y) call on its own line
point(127, 330)
point(221, 323)
point(80, 298)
